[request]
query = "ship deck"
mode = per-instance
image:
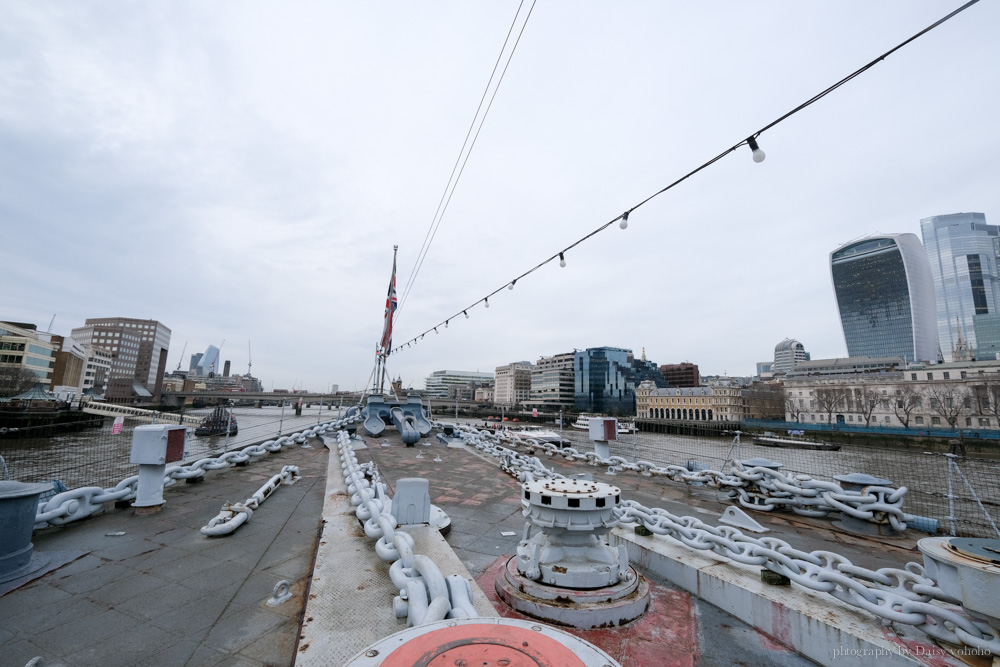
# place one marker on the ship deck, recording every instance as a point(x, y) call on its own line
point(152, 590)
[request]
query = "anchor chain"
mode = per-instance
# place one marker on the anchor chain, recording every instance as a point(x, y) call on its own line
point(234, 515)
point(904, 596)
point(82, 502)
point(425, 595)
point(758, 488)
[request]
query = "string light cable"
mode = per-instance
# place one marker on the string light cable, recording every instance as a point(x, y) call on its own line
point(452, 184)
point(750, 142)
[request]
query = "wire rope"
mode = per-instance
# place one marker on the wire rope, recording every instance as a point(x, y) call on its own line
point(751, 140)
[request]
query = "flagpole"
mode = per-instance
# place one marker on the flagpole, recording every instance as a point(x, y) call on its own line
point(390, 309)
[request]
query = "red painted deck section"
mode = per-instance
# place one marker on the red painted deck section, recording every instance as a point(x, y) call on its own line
point(666, 636)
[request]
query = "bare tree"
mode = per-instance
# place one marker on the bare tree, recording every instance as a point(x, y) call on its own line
point(830, 400)
point(15, 380)
point(906, 400)
point(792, 407)
point(987, 397)
point(866, 399)
point(950, 402)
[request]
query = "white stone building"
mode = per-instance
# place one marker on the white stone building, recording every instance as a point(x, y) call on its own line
point(954, 395)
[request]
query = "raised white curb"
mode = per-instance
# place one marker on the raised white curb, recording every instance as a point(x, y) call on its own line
point(350, 595)
point(812, 624)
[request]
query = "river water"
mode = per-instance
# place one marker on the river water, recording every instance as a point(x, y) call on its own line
point(99, 457)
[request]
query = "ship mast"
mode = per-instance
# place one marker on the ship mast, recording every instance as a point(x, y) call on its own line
point(385, 344)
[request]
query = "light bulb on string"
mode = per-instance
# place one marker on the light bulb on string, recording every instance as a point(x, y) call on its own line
point(562, 261)
point(511, 286)
point(487, 301)
point(624, 223)
point(446, 324)
point(758, 154)
point(466, 313)
point(436, 330)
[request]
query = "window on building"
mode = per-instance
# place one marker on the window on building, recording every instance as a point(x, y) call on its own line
point(968, 421)
point(935, 421)
point(930, 376)
point(919, 420)
point(886, 420)
point(913, 376)
point(946, 375)
point(964, 374)
point(984, 422)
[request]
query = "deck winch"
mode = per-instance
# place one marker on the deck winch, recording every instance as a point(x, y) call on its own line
point(566, 572)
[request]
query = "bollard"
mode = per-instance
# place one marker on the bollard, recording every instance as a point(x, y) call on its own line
point(602, 430)
point(18, 505)
point(153, 447)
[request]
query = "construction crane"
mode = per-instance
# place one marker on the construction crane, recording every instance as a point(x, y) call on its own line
point(249, 359)
point(181, 360)
point(51, 322)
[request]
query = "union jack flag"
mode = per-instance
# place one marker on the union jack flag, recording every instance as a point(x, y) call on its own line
point(390, 310)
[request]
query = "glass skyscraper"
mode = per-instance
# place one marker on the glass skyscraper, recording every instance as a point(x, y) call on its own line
point(885, 294)
point(605, 379)
point(963, 252)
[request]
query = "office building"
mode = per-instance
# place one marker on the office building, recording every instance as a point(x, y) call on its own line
point(787, 354)
point(208, 362)
point(24, 352)
point(552, 383)
point(438, 383)
point(513, 383)
point(71, 357)
point(684, 374)
point(605, 379)
point(885, 295)
point(138, 355)
point(96, 371)
point(963, 253)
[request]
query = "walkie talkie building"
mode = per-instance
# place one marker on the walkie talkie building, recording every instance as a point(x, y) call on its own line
point(885, 294)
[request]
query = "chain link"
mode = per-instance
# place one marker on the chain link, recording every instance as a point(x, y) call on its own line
point(425, 595)
point(758, 488)
point(234, 515)
point(898, 595)
point(82, 502)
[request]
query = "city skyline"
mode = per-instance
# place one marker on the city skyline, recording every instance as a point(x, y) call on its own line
point(250, 185)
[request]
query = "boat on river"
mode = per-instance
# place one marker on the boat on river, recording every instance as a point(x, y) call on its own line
point(218, 422)
point(540, 434)
point(792, 443)
point(626, 427)
point(583, 421)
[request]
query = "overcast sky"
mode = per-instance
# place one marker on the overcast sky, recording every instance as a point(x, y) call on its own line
point(241, 171)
